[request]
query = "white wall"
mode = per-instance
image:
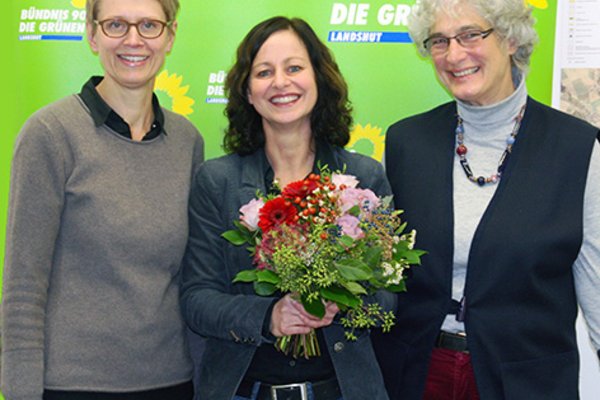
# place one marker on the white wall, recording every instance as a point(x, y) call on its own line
point(589, 379)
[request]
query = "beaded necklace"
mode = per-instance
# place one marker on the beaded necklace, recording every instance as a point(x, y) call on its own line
point(461, 150)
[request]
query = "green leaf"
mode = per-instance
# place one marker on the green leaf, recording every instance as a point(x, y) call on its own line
point(340, 296)
point(338, 248)
point(315, 307)
point(372, 256)
point(346, 241)
point(401, 246)
point(264, 288)
point(386, 201)
point(235, 237)
point(247, 275)
point(354, 211)
point(241, 227)
point(247, 233)
point(400, 229)
point(401, 287)
point(322, 168)
point(354, 270)
point(354, 288)
point(266, 275)
point(378, 280)
point(414, 256)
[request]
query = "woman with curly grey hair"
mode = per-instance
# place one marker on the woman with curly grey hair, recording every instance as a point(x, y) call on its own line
point(502, 191)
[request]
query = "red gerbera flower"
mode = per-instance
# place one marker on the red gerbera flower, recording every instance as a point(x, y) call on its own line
point(299, 189)
point(275, 212)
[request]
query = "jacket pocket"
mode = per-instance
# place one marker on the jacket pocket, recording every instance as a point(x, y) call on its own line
point(553, 377)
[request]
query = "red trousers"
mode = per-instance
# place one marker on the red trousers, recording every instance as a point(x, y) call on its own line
point(450, 377)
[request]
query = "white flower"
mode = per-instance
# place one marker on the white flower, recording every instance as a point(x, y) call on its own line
point(410, 237)
point(393, 272)
point(388, 270)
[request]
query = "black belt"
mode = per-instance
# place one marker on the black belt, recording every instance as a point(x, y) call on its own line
point(323, 390)
point(452, 341)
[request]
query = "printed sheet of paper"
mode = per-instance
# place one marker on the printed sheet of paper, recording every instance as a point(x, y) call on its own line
point(577, 59)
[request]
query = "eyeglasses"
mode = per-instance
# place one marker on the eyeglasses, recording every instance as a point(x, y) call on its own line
point(439, 44)
point(147, 28)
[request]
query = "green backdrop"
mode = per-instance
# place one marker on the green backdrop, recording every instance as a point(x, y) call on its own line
point(45, 59)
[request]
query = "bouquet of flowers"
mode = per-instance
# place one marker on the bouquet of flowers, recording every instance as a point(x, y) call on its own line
point(324, 239)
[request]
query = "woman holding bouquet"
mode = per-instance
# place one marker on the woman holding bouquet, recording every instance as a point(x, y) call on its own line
point(504, 194)
point(288, 113)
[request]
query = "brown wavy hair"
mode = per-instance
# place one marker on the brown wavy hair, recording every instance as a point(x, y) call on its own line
point(331, 117)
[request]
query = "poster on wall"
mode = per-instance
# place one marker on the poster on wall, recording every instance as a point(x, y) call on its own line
point(577, 60)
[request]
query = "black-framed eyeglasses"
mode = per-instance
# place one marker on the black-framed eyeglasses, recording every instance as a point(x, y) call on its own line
point(147, 28)
point(438, 44)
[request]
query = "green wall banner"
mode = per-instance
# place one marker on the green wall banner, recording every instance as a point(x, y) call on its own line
point(388, 80)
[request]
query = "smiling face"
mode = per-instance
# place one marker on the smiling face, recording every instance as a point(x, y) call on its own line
point(282, 86)
point(130, 61)
point(480, 75)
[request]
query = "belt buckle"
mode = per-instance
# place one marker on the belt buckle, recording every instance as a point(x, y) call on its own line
point(292, 386)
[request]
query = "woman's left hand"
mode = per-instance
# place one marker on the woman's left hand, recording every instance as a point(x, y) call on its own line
point(331, 309)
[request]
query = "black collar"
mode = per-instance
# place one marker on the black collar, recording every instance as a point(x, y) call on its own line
point(102, 114)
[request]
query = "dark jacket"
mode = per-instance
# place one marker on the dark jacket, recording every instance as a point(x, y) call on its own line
point(231, 315)
point(521, 303)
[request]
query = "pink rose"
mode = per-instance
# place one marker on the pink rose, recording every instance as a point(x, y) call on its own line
point(350, 226)
point(349, 181)
point(249, 213)
point(363, 198)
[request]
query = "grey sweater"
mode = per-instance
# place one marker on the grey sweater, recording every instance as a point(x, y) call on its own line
point(96, 231)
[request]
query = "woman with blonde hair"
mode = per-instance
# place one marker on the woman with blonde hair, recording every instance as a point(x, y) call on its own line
point(97, 227)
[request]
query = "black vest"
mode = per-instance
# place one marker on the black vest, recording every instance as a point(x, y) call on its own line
point(521, 303)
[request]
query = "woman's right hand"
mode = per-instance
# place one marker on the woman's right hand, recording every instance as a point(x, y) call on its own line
point(290, 318)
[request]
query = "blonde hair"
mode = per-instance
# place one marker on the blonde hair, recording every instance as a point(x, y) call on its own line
point(170, 8)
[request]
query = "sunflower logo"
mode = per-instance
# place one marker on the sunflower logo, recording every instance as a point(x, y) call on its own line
point(543, 4)
point(367, 140)
point(78, 3)
point(171, 86)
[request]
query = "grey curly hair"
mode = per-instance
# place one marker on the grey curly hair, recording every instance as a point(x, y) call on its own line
point(511, 19)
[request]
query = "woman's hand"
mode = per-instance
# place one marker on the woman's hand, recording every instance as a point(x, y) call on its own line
point(290, 318)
